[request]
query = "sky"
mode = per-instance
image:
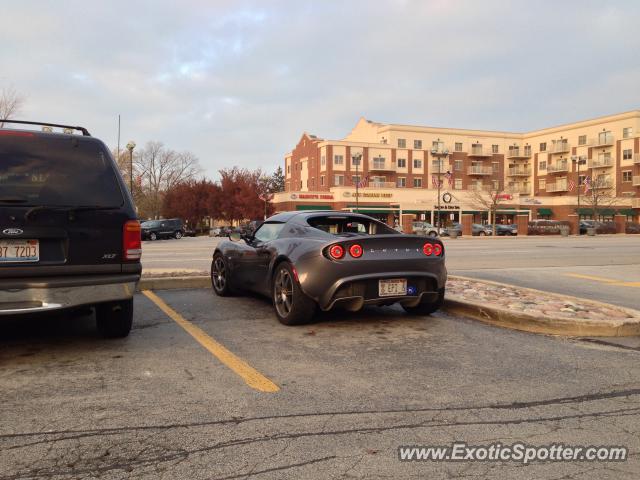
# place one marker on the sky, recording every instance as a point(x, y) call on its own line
point(238, 82)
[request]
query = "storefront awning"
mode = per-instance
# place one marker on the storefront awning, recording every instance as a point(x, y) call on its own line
point(627, 211)
point(607, 212)
point(584, 211)
point(471, 212)
point(545, 211)
point(313, 207)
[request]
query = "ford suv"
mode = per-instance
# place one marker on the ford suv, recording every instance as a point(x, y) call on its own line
point(69, 236)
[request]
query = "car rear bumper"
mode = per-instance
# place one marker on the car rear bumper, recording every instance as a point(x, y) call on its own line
point(18, 296)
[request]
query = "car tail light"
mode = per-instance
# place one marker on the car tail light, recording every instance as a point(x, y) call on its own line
point(427, 249)
point(131, 241)
point(437, 249)
point(355, 251)
point(336, 251)
point(9, 133)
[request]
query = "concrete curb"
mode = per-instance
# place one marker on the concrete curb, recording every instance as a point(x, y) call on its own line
point(545, 325)
point(478, 311)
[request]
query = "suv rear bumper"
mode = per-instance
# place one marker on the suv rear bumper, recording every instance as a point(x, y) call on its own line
point(55, 293)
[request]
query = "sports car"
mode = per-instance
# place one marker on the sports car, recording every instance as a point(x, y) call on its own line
point(328, 259)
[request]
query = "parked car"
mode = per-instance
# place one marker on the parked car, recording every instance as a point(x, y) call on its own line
point(157, 229)
point(222, 231)
point(478, 230)
point(329, 259)
point(632, 227)
point(424, 228)
point(445, 231)
point(504, 230)
point(601, 227)
point(189, 231)
point(69, 236)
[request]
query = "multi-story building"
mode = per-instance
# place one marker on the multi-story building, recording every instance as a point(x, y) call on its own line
point(402, 168)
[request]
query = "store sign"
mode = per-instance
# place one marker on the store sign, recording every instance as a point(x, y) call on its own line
point(504, 196)
point(446, 207)
point(311, 196)
point(367, 195)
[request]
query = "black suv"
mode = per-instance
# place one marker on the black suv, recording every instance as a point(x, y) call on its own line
point(155, 229)
point(69, 236)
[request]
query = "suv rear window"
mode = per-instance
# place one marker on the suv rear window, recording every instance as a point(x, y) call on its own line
point(57, 171)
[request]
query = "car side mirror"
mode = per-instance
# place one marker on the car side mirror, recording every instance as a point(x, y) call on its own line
point(235, 236)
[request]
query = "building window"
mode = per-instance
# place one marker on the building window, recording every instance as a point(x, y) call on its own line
point(378, 162)
point(581, 179)
point(627, 154)
point(495, 184)
point(582, 140)
point(527, 150)
point(356, 161)
point(627, 132)
point(457, 184)
point(300, 185)
point(355, 179)
point(458, 146)
point(323, 161)
point(417, 144)
point(627, 176)
point(338, 180)
point(289, 169)
point(457, 165)
point(542, 184)
point(402, 163)
point(417, 163)
point(313, 182)
point(321, 179)
point(543, 165)
point(402, 182)
point(543, 147)
point(417, 183)
point(494, 148)
point(338, 159)
point(402, 143)
point(496, 167)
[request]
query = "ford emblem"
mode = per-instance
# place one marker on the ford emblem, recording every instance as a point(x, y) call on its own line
point(12, 231)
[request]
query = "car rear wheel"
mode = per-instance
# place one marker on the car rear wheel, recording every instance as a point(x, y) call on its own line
point(426, 308)
point(153, 236)
point(178, 235)
point(114, 319)
point(220, 280)
point(292, 306)
point(481, 234)
point(433, 234)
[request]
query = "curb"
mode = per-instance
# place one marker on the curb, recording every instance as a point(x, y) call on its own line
point(477, 311)
point(543, 325)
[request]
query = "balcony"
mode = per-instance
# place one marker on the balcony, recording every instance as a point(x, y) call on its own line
point(635, 203)
point(558, 167)
point(559, 147)
point(636, 158)
point(602, 183)
point(480, 151)
point(601, 162)
point(602, 141)
point(559, 186)
point(476, 170)
point(519, 172)
point(523, 189)
point(519, 153)
point(474, 187)
point(439, 151)
point(636, 182)
point(381, 167)
point(381, 185)
point(440, 167)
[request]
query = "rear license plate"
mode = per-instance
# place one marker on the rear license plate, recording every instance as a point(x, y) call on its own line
point(392, 288)
point(19, 251)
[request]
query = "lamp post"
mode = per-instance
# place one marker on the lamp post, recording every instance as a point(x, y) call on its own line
point(355, 158)
point(435, 152)
point(579, 162)
point(130, 146)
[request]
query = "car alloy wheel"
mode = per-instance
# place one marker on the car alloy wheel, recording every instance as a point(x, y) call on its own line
point(178, 235)
point(433, 234)
point(153, 236)
point(283, 293)
point(219, 274)
point(481, 234)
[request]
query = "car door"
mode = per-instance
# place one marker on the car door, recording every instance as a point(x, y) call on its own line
point(254, 258)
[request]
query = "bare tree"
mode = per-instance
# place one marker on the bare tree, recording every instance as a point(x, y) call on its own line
point(488, 199)
point(601, 195)
point(10, 103)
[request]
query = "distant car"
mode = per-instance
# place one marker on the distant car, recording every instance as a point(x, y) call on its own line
point(478, 230)
point(445, 231)
point(632, 227)
point(156, 229)
point(424, 228)
point(504, 230)
point(189, 231)
point(310, 260)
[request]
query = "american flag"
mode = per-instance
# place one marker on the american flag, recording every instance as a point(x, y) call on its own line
point(572, 185)
point(363, 181)
point(449, 177)
point(435, 181)
point(587, 184)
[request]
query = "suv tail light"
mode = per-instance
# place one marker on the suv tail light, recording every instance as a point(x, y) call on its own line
point(131, 241)
point(336, 251)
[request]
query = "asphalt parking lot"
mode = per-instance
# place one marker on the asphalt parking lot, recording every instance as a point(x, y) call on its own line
point(216, 388)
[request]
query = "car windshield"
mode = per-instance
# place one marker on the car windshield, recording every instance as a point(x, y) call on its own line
point(346, 226)
point(57, 171)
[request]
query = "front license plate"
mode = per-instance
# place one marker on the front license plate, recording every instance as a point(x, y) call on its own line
point(19, 251)
point(392, 288)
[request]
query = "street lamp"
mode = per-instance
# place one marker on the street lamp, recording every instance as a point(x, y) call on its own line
point(579, 161)
point(356, 157)
point(130, 146)
point(435, 152)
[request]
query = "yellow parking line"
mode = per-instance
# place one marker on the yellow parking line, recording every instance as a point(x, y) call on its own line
point(591, 277)
point(252, 377)
point(627, 284)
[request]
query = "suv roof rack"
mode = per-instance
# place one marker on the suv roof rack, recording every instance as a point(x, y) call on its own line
point(84, 131)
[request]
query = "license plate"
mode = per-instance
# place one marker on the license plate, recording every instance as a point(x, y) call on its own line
point(19, 251)
point(392, 288)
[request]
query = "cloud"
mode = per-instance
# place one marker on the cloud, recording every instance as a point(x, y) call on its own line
point(238, 82)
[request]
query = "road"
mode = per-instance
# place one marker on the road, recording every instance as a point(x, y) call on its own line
point(349, 390)
point(605, 268)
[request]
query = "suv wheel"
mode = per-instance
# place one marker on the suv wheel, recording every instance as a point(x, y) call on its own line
point(178, 235)
point(114, 319)
point(153, 236)
point(292, 306)
point(426, 308)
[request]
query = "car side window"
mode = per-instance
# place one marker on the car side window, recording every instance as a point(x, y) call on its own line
point(268, 232)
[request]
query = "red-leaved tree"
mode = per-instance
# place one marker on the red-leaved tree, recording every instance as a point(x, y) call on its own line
point(192, 200)
point(240, 190)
